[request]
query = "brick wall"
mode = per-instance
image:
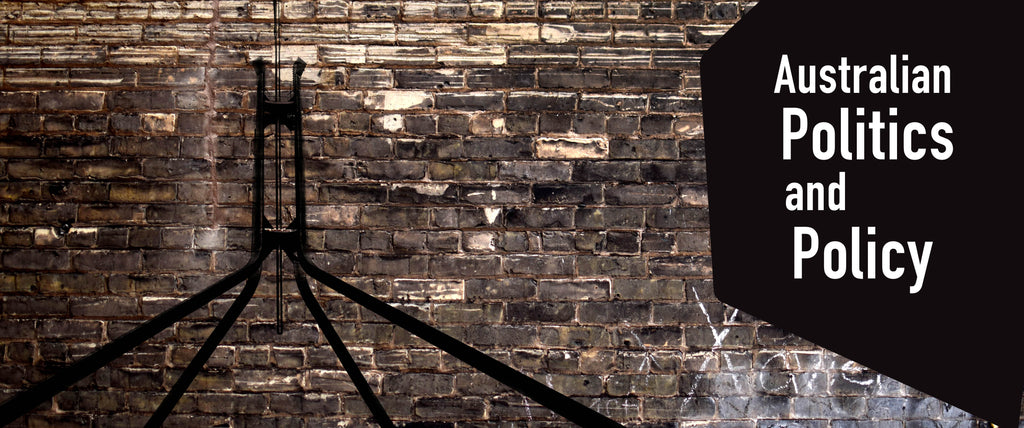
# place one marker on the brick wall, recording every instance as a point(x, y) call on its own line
point(527, 176)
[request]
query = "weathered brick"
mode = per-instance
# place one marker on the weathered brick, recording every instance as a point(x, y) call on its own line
point(615, 312)
point(573, 290)
point(397, 100)
point(541, 101)
point(500, 78)
point(501, 33)
point(567, 194)
point(539, 312)
point(616, 266)
point(71, 100)
point(430, 290)
point(455, 56)
point(401, 55)
point(453, 266)
point(471, 101)
point(705, 34)
point(543, 54)
point(540, 265)
point(429, 79)
point(573, 78)
point(576, 33)
point(500, 289)
point(449, 408)
point(601, 56)
point(571, 148)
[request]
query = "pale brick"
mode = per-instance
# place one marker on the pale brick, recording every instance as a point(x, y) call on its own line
point(571, 148)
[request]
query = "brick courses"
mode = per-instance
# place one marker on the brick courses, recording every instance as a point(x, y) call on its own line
point(528, 176)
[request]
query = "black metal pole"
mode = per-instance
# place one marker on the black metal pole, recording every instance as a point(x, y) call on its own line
point(210, 345)
point(379, 414)
point(27, 400)
point(553, 400)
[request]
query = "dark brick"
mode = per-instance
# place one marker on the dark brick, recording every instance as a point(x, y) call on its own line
point(613, 102)
point(640, 194)
point(610, 218)
point(429, 79)
point(615, 266)
point(502, 335)
point(546, 218)
point(454, 266)
point(573, 78)
point(347, 193)
point(391, 170)
point(420, 124)
point(567, 194)
point(703, 337)
point(606, 171)
point(402, 217)
point(370, 78)
point(646, 79)
point(643, 149)
point(542, 101)
point(422, 194)
point(724, 11)
point(588, 123)
point(622, 125)
point(464, 408)
point(500, 289)
point(678, 172)
point(456, 124)
point(494, 194)
point(704, 34)
point(470, 101)
point(555, 123)
point(541, 265)
point(615, 312)
point(691, 10)
point(656, 124)
point(37, 260)
point(496, 148)
point(340, 100)
point(622, 242)
point(419, 384)
point(674, 103)
point(463, 171)
point(140, 100)
point(500, 78)
point(539, 312)
point(677, 218)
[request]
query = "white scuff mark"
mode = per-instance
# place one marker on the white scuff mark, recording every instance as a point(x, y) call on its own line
point(429, 189)
point(854, 368)
point(719, 335)
point(492, 214)
point(704, 365)
point(398, 100)
point(778, 355)
point(557, 33)
point(391, 122)
point(785, 361)
point(529, 412)
point(735, 312)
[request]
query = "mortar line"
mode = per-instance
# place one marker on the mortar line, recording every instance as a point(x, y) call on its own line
point(210, 136)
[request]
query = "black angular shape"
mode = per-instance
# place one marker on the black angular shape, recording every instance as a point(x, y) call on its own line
point(949, 338)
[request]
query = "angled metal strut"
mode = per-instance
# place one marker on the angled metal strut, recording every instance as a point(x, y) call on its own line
point(289, 241)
